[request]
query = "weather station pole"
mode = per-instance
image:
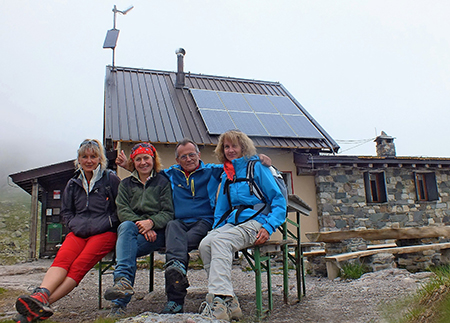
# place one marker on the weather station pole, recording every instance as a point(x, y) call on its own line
point(113, 34)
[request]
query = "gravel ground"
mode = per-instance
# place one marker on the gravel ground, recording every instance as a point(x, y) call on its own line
point(326, 300)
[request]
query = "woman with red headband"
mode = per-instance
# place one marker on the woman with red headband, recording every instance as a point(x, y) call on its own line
point(144, 205)
point(89, 212)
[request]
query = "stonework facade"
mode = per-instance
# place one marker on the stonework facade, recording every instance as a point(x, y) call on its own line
point(341, 196)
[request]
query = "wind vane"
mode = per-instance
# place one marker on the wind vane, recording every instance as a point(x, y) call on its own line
point(113, 34)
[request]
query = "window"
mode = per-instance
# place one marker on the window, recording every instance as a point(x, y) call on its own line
point(287, 177)
point(375, 186)
point(426, 187)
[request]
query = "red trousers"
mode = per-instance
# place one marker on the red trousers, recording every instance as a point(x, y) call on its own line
point(79, 255)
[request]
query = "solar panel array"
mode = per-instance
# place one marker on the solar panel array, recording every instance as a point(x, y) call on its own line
point(253, 114)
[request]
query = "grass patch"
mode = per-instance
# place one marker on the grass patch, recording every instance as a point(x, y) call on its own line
point(353, 270)
point(430, 304)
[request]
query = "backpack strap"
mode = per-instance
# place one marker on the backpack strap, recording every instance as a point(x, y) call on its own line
point(254, 190)
point(250, 176)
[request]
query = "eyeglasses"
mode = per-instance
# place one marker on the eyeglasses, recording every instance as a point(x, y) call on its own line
point(89, 142)
point(190, 155)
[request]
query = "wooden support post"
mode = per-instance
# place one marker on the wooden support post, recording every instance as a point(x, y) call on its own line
point(34, 220)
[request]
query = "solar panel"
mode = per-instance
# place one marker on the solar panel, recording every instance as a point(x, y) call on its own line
point(302, 126)
point(260, 103)
point(217, 121)
point(248, 123)
point(234, 102)
point(276, 125)
point(207, 99)
point(254, 114)
point(284, 105)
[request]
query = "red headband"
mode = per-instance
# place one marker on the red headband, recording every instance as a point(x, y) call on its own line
point(143, 148)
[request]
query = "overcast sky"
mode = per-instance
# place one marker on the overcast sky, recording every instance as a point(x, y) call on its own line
point(358, 67)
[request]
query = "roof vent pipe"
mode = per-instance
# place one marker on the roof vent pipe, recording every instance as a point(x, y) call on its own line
point(180, 81)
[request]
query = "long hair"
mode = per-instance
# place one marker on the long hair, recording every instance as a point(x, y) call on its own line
point(157, 165)
point(236, 137)
point(96, 147)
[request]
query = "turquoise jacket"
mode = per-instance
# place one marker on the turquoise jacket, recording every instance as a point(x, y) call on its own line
point(240, 195)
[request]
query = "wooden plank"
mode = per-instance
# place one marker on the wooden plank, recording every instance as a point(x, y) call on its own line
point(34, 220)
point(381, 234)
point(380, 246)
point(332, 262)
point(397, 250)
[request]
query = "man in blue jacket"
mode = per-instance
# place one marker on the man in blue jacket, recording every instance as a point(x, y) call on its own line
point(194, 186)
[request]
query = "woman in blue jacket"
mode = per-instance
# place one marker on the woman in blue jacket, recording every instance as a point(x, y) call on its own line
point(90, 214)
point(238, 221)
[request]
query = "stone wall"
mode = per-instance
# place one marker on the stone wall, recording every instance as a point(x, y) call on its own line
point(342, 205)
point(342, 200)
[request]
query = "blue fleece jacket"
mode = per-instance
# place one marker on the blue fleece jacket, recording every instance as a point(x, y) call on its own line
point(194, 195)
point(240, 195)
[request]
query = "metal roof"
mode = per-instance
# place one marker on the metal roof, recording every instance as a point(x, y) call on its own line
point(145, 105)
point(46, 176)
point(52, 175)
point(310, 161)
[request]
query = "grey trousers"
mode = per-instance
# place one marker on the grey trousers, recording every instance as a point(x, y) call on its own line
point(217, 250)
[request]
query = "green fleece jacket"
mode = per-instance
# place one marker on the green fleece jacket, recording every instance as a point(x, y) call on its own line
point(136, 201)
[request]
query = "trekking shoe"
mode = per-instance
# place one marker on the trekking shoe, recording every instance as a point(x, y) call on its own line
point(172, 308)
point(215, 307)
point(234, 309)
point(34, 306)
point(19, 318)
point(117, 311)
point(175, 275)
point(121, 289)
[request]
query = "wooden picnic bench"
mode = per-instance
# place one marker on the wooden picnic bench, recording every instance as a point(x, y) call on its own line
point(408, 240)
point(258, 257)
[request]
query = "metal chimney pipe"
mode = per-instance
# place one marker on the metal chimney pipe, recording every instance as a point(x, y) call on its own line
point(180, 81)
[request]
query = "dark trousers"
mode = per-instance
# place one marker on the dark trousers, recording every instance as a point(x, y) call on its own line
point(181, 238)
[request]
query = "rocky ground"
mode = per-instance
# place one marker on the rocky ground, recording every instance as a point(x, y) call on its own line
point(326, 300)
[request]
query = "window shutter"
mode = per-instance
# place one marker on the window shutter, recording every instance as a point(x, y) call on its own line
point(367, 187)
point(432, 187)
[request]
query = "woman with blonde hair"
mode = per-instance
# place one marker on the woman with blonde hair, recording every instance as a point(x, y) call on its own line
point(239, 220)
point(89, 212)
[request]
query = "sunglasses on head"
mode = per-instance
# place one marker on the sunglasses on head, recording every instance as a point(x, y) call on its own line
point(89, 142)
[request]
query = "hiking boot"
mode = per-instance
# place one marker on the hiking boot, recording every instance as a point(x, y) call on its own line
point(175, 275)
point(234, 309)
point(117, 311)
point(19, 318)
point(121, 289)
point(215, 307)
point(34, 306)
point(172, 308)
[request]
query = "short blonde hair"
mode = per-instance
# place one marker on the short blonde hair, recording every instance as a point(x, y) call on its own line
point(236, 137)
point(157, 165)
point(96, 147)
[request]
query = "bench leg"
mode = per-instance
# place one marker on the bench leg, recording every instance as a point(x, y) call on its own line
point(151, 272)
point(100, 285)
point(332, 269)
point(285, 274)
point(269, 283)
point(257, 255)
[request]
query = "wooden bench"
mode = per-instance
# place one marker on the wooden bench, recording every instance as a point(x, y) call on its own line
point(333, 262)
point(259, 260)
point(403, 236)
